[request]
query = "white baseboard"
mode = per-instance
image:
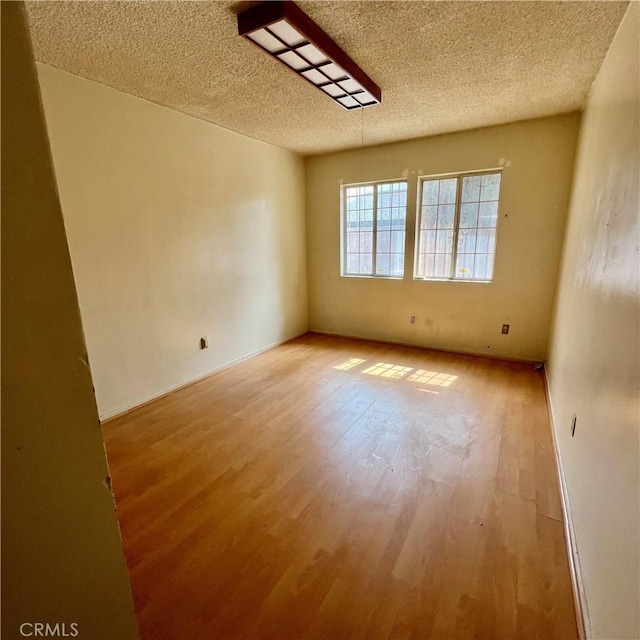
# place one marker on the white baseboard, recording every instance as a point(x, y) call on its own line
point(579, 595)
point(140, 402)
point(415, 345)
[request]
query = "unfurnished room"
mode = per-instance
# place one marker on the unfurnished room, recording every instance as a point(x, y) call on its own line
point(320, 320)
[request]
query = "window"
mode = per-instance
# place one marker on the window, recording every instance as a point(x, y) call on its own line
point(374, 219)
point(457, 232)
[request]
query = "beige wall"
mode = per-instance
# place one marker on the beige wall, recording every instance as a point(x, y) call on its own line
point(538, 159)
point(62, 559)
point(595, 358)
point(177, 229)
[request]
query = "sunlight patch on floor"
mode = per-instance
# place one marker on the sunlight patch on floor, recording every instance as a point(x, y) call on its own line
point(432, 377)
point(387, 370)
point(397, 372)
point(349, 364)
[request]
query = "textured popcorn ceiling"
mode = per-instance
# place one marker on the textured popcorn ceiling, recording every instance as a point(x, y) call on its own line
point(442, 66)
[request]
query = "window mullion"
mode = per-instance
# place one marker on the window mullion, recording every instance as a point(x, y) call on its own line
point(345, 230)
point(374, 240)
point(456, 228)
point(417, 229)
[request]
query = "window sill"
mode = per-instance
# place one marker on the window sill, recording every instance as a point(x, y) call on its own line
point(365, 277)
point(467, 281)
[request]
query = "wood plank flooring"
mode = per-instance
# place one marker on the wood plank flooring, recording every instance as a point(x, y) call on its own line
point(334, 488)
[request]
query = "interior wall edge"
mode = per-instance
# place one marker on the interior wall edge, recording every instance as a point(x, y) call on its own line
point(164, 106)
point(63, 566)
point(573, 555)
point(594, 350)
point(381, 145)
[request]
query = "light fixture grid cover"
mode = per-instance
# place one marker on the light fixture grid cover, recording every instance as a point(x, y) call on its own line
point(260, 17)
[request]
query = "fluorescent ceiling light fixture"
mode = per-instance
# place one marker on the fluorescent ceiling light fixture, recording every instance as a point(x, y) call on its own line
point(285, 32)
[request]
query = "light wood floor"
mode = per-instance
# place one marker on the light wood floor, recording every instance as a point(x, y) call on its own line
point(317, 492)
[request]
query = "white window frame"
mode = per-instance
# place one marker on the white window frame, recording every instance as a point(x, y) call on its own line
point(456, 224)
point(343, 229)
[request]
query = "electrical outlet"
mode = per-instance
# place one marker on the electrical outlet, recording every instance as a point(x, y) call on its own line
point(413, 319)
point(574, 420)
point(204, 342)
point(505, 329)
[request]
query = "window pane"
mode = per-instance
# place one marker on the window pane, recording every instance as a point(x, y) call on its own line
point(480, 266)
point(486, 241)
point(490, 187)
point(429, 217)
point(469, 215)
point(397, 241)
point(444, 241)
point(366, 218)
point(430, 189)
point(464, 266)
point(438, 215)
point(379, 209)
point(398, 218)
point(390, 248)
point(366, 262)
point(448, 191)
point(476, 216)
point(439, 269)
point(445, 216)
point(382, 264)
point(467, 241)
point(352, 191)
point(420, 268)
point(477, 234)
point(430, 244)
point(483, 267)
point(429, 261)
point(471, 188)
point(359, 224)
point(397, 264)
point(398, 200)
point(383, 241)
point(384, 199)
point(366, 242)
point(488, 214)
point(448, 258)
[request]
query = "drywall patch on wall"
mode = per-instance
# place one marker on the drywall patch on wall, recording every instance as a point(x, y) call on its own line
point(595, 352)
point(467, 317)
point(177, 229)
